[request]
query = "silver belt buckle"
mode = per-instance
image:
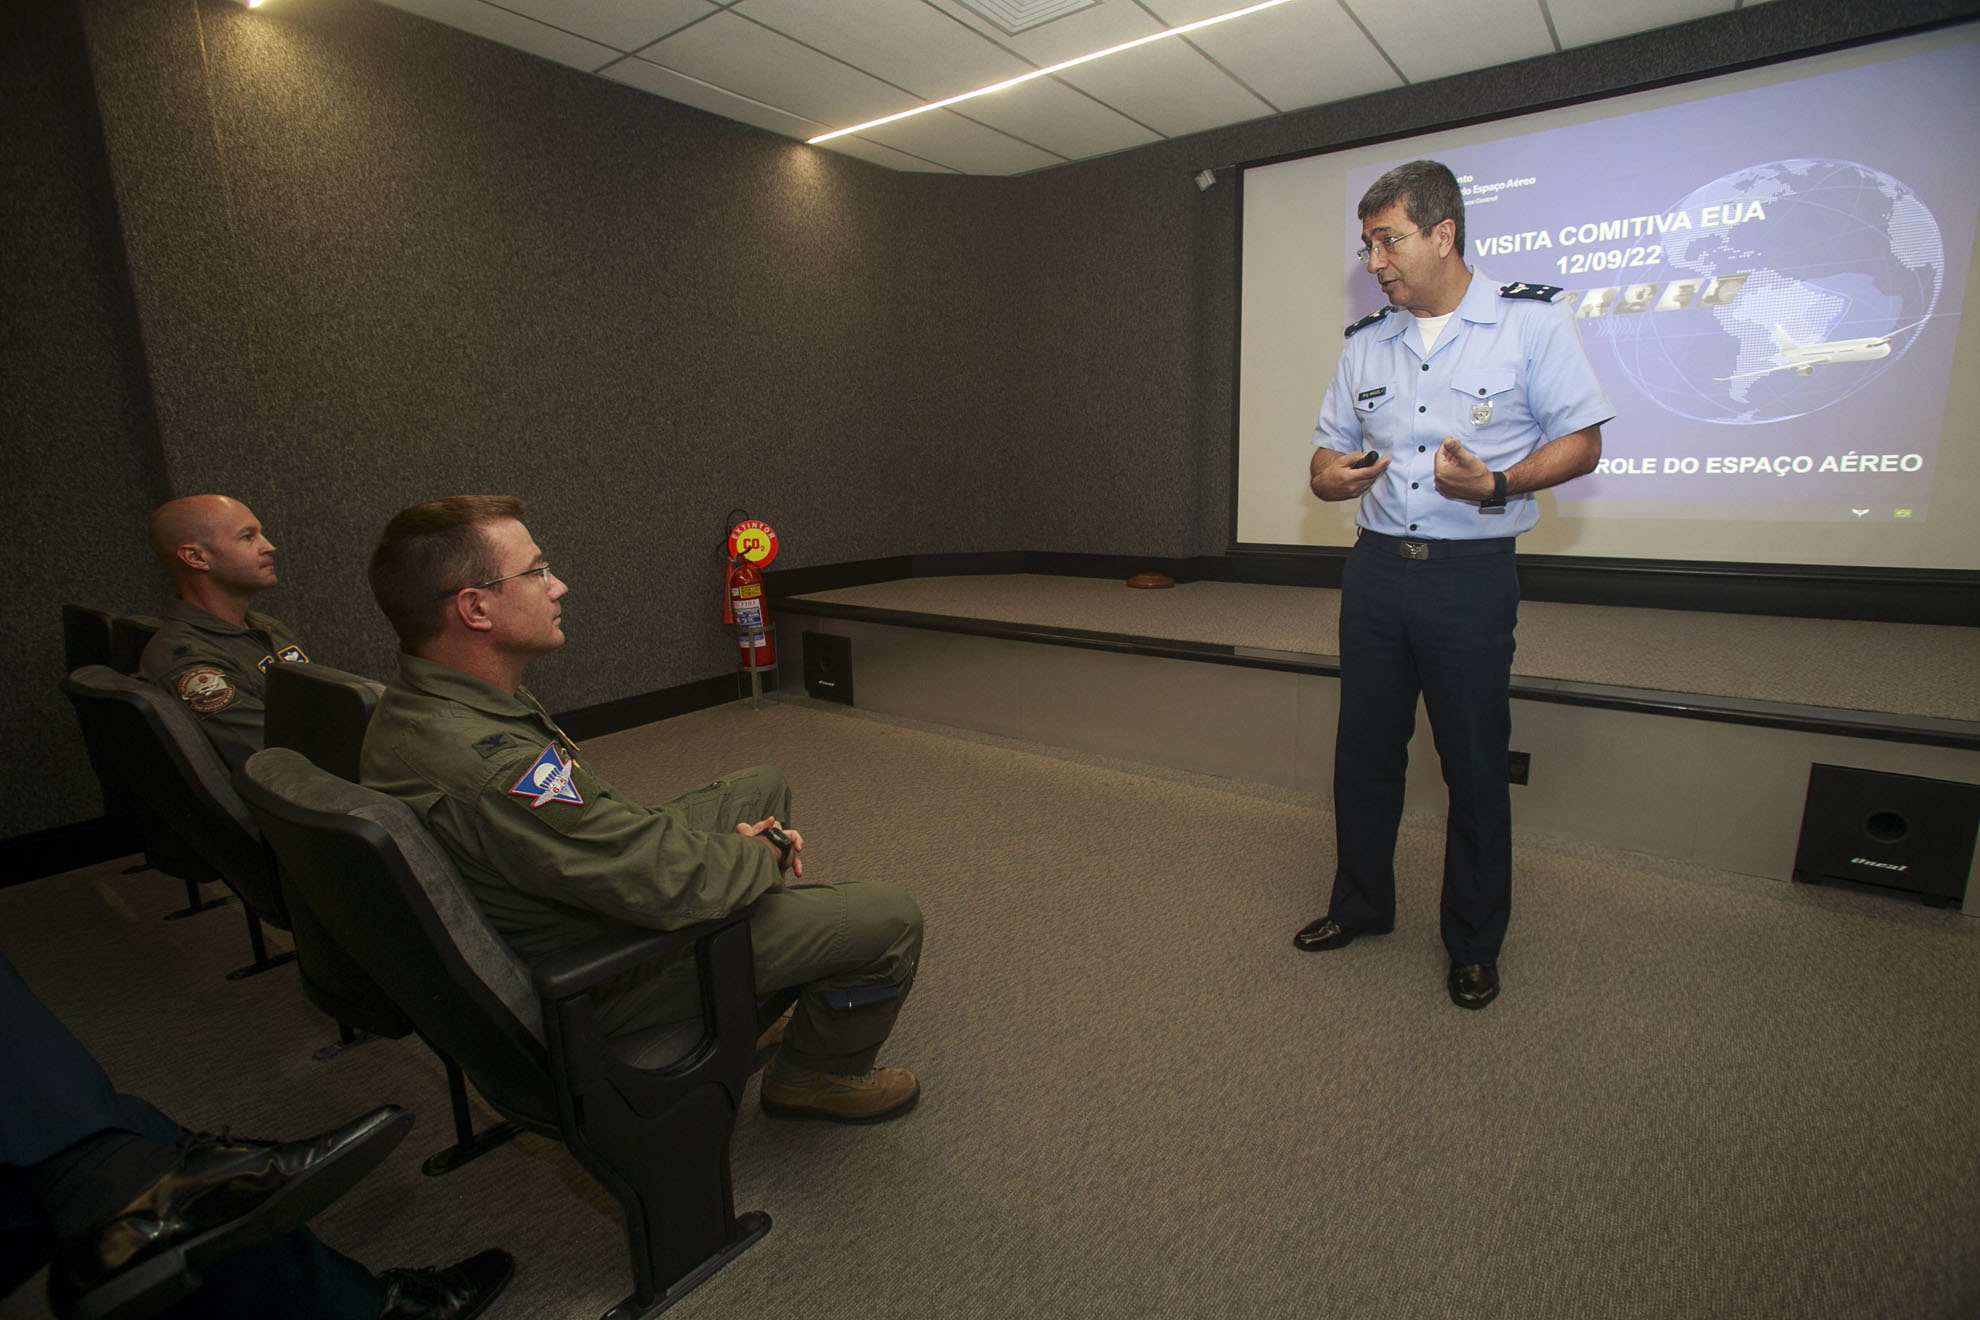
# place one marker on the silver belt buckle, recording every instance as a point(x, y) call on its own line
point(1416, 549)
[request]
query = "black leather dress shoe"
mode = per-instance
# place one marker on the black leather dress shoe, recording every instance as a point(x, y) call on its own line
point(1474, 985)
point(455, 1293)
point(1326, 933)
point(222, 1195)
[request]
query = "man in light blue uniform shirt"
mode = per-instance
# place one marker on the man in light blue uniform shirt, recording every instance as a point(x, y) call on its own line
point(1449, 409)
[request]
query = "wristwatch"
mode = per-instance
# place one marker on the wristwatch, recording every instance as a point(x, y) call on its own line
point(1498, 500)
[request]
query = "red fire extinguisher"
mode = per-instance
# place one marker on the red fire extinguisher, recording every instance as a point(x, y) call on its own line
point(752, 544)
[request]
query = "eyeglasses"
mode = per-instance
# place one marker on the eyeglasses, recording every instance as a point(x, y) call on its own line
point(1387, 242)
point(540, 571)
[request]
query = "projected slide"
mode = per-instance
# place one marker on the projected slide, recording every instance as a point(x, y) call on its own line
point(1789, 316)
point(1769, 271)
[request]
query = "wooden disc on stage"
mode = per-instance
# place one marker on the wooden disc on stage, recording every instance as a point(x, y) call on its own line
point(1151, 580)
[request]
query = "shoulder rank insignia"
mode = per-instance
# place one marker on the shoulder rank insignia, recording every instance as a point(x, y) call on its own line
point(263, 663)
point(1366, 321)
point(1537, 292)
point(548, 780)
point(292, 655)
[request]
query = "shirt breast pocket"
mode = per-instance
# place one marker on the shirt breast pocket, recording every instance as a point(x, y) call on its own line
point(1490, 406)
point(1382, 417)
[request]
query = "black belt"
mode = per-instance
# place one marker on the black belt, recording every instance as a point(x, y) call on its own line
point(1396, 545)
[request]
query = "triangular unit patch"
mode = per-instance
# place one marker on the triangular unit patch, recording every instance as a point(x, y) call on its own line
point(548, 780)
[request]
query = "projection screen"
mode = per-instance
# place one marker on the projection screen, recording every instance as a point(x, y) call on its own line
point(1768, 270)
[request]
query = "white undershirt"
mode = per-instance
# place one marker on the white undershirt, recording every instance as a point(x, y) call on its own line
point(1431, 327)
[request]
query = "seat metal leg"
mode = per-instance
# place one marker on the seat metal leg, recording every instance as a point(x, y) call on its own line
point(468, 1144)
point(262, 962)
point(194, 903)
point(751, 1225)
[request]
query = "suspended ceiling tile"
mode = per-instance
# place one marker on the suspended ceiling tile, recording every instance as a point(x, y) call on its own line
point(624, 24)
point(1428, 42)
point(649, 77)
point(970, 148)
point(1585, 22)
point(499, 25)
point(1299, 54)
point(1169, 87)
point(1048, 114)
point(910, 45)
point(752, 61)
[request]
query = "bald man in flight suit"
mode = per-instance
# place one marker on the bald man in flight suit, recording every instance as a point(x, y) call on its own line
point(213, 652)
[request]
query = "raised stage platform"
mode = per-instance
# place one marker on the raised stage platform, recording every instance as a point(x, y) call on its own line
point(1680, 734)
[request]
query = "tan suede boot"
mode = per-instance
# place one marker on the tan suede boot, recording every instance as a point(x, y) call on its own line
point(872, 1097)
point(773, 1035)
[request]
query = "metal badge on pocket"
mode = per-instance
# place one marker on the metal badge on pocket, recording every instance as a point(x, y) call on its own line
point(1481, 412)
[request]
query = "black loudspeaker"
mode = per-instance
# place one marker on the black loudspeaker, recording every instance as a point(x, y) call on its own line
point(828, 666)
point(1897, 831)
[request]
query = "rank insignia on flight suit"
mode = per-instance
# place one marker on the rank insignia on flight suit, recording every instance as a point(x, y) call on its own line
point(548, 780)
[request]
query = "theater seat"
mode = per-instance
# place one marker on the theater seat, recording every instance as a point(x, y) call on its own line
point(90, 637)
point(85, 635)
point(649, 1115)
point(320, 712)
point(129, 634)
point(155, 747)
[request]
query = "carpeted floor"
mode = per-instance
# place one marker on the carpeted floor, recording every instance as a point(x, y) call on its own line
point(1701, 1094)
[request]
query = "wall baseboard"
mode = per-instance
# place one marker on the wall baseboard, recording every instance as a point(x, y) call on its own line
point(647, 707)
point(62, 848)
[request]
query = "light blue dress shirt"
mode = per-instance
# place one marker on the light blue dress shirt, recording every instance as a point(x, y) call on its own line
point(1506, 376)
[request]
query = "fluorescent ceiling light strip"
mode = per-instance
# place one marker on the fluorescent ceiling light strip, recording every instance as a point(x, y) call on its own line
point(1040, 73)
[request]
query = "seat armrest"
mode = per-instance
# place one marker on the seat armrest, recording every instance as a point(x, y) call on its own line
point(574, 971)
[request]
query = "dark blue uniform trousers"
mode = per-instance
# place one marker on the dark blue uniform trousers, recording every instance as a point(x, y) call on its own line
point(1442, 628)
point(53, 1094)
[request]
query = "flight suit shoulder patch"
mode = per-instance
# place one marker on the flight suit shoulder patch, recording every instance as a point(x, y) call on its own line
point(1537, 292)
point(1365, 322)
point(549, 778)
point(205, 689)
point(292, 655)
point(547, 786)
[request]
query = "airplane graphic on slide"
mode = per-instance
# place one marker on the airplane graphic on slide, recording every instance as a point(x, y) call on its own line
point(1802, 359)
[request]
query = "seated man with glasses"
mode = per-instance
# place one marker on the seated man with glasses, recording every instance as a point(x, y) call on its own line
point(213, 652)
point(552, 852)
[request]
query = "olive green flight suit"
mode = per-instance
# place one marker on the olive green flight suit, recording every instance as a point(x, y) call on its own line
point(548, 849)
point(220, 670)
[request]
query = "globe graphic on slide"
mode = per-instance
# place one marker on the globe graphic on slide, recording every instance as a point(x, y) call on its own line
point(1843, 252)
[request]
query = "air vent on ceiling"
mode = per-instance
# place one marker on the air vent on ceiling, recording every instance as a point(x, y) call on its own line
point(1015, 16)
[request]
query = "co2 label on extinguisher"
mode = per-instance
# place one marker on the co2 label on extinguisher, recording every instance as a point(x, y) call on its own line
point(753, 542)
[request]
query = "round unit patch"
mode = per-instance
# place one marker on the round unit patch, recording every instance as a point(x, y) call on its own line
point(206, 689)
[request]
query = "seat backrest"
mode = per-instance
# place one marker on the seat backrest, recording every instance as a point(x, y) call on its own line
point(155, 747)
point(85, 635)
point(320, 712)
point(129, 634)
point(381, 886)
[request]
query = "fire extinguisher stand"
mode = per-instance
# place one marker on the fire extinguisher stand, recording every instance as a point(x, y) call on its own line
point(751, 546)
point(754, 637)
